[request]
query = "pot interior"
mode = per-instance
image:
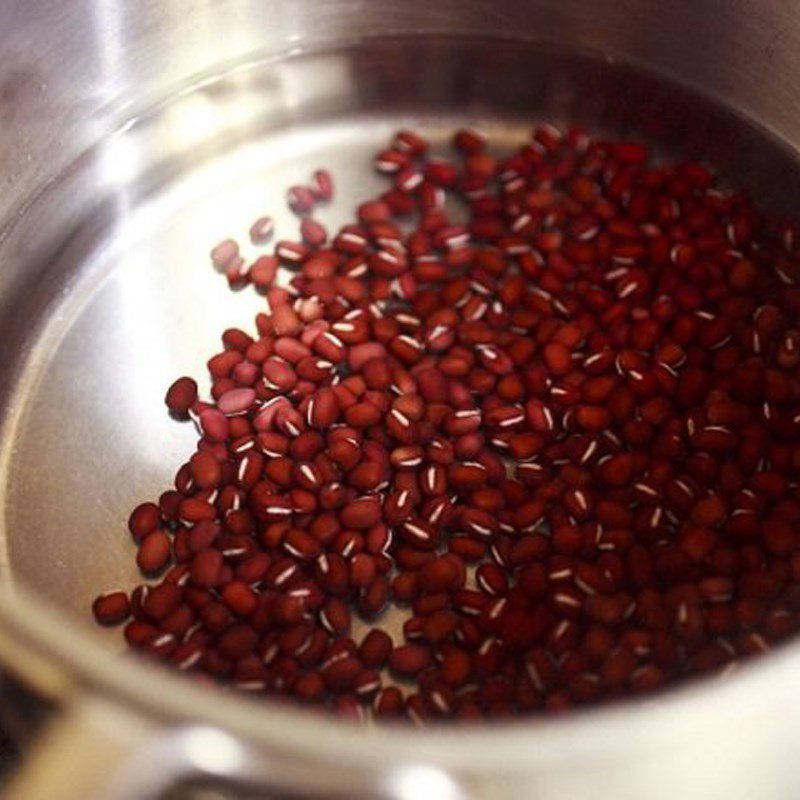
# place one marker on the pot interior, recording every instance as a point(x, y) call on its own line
point(109, 293)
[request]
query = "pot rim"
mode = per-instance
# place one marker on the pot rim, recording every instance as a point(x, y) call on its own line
point(521, 746)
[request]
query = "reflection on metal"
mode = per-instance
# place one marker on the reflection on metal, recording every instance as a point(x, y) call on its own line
point(212, 751)
point(418, 781)
point(121, 161)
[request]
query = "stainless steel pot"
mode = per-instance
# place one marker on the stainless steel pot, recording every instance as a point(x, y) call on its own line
point(133, 136)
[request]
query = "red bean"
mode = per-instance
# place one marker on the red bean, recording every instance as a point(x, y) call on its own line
point(285, 321)
point(214, 424)
point(439, 574)
point(144, 519)
point(362, 513)
point(362, 570)
point(409, 659)
point(558, 358)
point(313, 233)
point(240, 598)
point(181, 396)
point(323, 408)
point(341, 674)
point(440, 626)
point(492, 579)
point(139, 634)
point(111, 608)
point(360, 355)
point(376, 648)
point(206, 568)
point(335, 617)
point(309, 686)
point(278, 374)
point(467, 474)
point(154, 552)
point(238, 640)
point(374, 598)
point(195, 509)
point(206, 470)
point(300, 544)
point(161, 600)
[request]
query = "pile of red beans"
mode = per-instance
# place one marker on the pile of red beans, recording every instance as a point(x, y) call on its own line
point(560, 439)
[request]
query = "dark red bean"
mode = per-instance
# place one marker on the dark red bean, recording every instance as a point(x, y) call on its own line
point(240, 598)
point(374, 598)
point(138, 633)
point(181, 396)
point(111, 608)
point(309, 686)
point(144, 519)
point(341, 674)
point(300, 544)
point(439, 574)
point(376, 648)
point(206, 568)
point(237, 641)
point(409, 659)
point(206, 470)
point(389, 703)
point(361, 513)
point(154, 552)
point(161, 600)
point(323, 408)
point(335, 617)
point(362, 570)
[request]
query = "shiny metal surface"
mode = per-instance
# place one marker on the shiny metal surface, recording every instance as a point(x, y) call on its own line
point(139, 136)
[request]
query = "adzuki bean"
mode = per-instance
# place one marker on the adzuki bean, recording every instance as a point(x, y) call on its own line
point(588, 393)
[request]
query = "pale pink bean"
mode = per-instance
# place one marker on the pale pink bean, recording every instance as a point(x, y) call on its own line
point(300, 199)
point(236, 401)
point(224, 253)
point(322, 184)
point(261, 230)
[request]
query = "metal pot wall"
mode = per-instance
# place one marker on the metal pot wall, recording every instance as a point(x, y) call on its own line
point(131, 135)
